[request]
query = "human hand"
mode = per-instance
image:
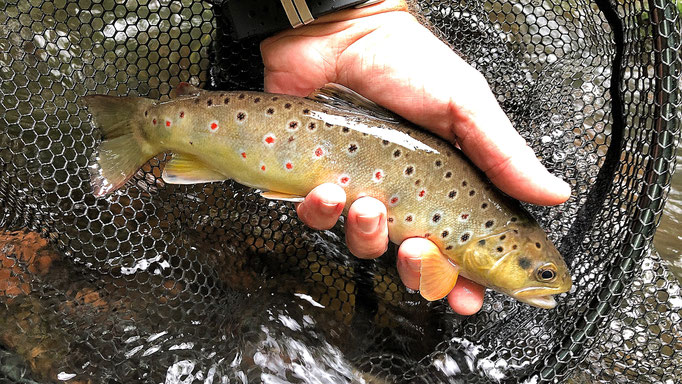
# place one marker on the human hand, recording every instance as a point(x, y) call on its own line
point(384, 54)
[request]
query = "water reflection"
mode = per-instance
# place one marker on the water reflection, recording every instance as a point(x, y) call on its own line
point(668, 239)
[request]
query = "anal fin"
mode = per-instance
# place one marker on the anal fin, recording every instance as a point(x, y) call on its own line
point(187, 169)
point(438, 275)
point(271, 195)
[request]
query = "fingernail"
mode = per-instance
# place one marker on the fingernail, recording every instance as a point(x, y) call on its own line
point(368, 224)
point(328, 208)
point(414, 265)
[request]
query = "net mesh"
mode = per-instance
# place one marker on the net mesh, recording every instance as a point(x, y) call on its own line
point(211, 283)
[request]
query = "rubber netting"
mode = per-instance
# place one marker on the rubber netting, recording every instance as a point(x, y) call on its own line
point(211, 284)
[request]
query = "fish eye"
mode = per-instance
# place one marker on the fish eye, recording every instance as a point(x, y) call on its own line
point(546, 274)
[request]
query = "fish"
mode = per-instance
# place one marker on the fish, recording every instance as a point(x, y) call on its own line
point(286, 145)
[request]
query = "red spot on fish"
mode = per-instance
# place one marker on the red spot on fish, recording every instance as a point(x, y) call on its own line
point(289, 166)
point(244, 155)
point(154, 121)
point(465, 216)
point(422, 193)
point(319, 152)
point(262, 167)
point(394, 200)
point(214, 126)
point(378, 175)
point(168, 123)
point(344, 180)
point(182, 114)
point(269, 140)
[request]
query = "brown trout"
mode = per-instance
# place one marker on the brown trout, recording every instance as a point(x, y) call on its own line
point(287, 145)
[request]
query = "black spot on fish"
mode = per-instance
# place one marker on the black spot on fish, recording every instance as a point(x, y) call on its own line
point(396, 153)
point(385, 142)
point(514, 246)
point(291, 138)
point(352, 148)
point(448, 174)
point(390, 219)
point(241, 116)
point(191, 143)
point(516, 231)
point(484, 205)
point(481, 242)
point(242, 96)
point(500, 249)
point(503, 237)
point(293, 125)
point(408, 218)
point(472, 192)
point(513, 219)
point(436, 218)
point(364, 134)
point(452, 194)
point(306, 111)
point(417, 182)
point(256, 100)
point(427, 235)
point(444, 234)
point(345, 129)
point(449, 247)
point(270, 111)
point(329, 125)
point(489, 223)
point(312, 126)
point(464, 183)
point(209, 102)
point(409, 170)
point(226, 101)
point(274, 98)
point(524, 263)
point(287, 106)
point(145, 113)
point(538, 245)
point(438, 163)
point(465, 237)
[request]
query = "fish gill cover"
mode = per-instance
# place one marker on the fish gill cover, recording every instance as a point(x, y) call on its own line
point(212, 283)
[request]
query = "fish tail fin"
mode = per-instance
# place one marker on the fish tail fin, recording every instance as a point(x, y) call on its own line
point(123, 149)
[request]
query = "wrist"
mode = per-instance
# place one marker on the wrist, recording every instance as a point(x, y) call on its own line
point(266, 17)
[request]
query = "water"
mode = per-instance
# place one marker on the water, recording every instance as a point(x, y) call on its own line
point(668, 239)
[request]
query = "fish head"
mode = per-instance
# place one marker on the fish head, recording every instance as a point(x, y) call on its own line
point(523, 263)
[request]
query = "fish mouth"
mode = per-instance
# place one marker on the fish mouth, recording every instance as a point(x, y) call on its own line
point(546, 302)
point(538, 297)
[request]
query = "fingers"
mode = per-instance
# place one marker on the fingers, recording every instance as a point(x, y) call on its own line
point(322, 207)
point(466, 298)
point(414, 74)
point(366, 228)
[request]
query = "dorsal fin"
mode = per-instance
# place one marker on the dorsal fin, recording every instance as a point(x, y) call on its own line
point(336, 95)
point(185, 89)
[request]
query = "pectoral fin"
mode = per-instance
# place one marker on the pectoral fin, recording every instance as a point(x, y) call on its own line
point(282, 196)
point(187, 169)
point(438, 275)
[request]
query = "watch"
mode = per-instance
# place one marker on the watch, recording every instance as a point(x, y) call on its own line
point(266, 17)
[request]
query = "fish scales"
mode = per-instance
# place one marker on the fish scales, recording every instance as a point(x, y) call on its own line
point(288, 145)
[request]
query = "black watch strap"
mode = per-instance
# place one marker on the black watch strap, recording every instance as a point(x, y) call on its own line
point(265, 17)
